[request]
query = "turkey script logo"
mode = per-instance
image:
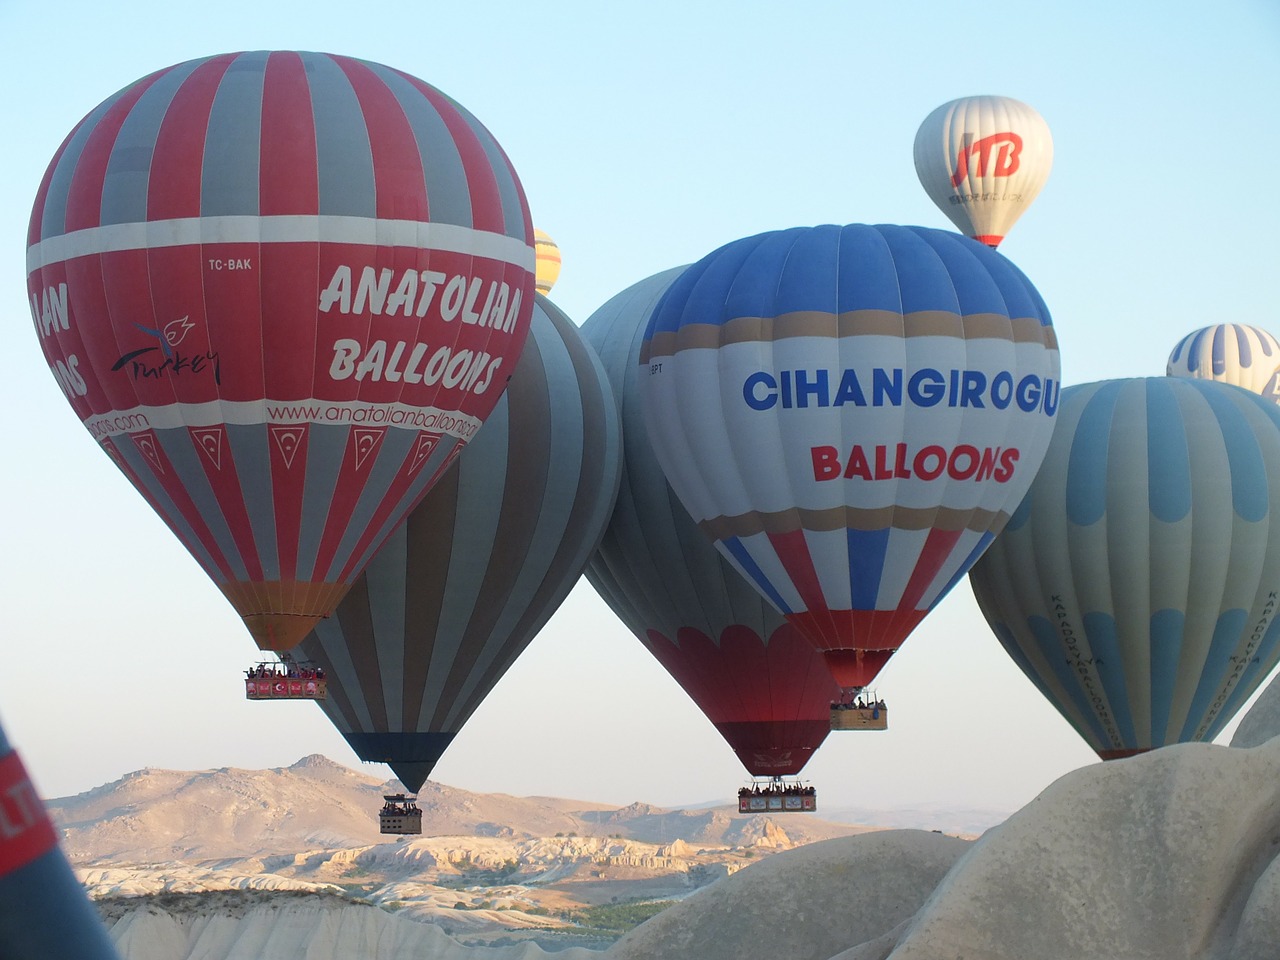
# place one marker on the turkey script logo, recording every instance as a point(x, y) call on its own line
point(171, 361)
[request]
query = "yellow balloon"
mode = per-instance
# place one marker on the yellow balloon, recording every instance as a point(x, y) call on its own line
point(548, 267)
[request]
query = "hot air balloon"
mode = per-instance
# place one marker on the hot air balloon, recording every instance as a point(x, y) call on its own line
point(482, 563)
point(850, 414)
point(43, 908)
point(281, 290)
point(548, 265)
point(982, 160)
point(1137, 583)
point(762, 685)
point(1233, 353)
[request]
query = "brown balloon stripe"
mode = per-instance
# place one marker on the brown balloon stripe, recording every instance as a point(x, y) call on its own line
point(571, 553)
point(841, 518)
point(279, 613)
point(852, 323)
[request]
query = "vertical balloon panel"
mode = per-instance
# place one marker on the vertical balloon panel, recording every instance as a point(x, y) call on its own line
point(282, 290)
point(850, 413)
point(1138, 581)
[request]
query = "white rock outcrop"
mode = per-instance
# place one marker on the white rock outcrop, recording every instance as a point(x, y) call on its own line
point(1174, 855)
point(304, 932)
point(806, 904)
point(1262, 722)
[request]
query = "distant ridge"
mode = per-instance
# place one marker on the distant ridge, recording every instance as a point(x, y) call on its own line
point(315, 803)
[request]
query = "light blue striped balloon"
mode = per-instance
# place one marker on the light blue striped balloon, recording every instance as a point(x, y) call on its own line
point(1137, 583)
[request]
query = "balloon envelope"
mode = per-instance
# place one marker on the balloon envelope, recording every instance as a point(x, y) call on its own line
point(1233, 353)
point(982, 160)
point(1137, 583)
point(44, 912)
point(763, 686)
point(281, 290)
point(483, 562)
point(548, 266)
point(850, 413)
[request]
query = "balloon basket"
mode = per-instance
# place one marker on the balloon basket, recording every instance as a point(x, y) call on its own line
point(400, 815)
point(859, 718)
point(286, 690)
point(775, 796)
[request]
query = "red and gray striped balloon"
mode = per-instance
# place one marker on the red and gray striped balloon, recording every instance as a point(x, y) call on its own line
point(282, 290)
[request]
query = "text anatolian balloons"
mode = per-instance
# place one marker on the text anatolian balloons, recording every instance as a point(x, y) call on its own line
point(1233, 353)
point(982, 160)
point(460, 589)
point(282, 290)
point(1138, 582)
point(762, 684)
point(851, 413)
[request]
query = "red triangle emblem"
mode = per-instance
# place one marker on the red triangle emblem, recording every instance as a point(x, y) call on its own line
point(288, 440)
point(208, 440)
point(365, 441)
point(422, 452)
point(149, 446)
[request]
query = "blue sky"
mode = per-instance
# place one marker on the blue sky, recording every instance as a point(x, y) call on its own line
point(645, 136)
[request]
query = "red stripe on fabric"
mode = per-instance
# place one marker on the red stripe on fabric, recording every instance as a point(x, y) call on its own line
point(354, 471)
point(191, 367)
point(288, 447)
point(285, 288)
point(232, 302)
point(743, 671)
point(938, 546)
point(289, 167)
point(399, 184)
point(800, 687)
point(793, 552)
point(524, 201)
point(775, 748)
point(35, 224)
point(173, 484)
point(26, 832)
point(220, 470)
point(84, 197)
point(173, 187)
point(855, 668)
point(486, 201)
point(393, 505)
point(856, 629)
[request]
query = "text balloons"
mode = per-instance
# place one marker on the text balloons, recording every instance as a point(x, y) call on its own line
point(762, 685)
point(281, 290)
point(482, 563)
point(850, 413)
point(1137, 584)
point(982, 160)
point(1233, 353)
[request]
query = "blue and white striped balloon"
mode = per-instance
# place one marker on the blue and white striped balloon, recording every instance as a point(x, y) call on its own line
point(850, 413)
point(1137, 583)
point(1234, 353)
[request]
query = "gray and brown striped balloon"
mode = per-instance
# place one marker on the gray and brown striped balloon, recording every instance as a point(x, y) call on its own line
point(461, 589)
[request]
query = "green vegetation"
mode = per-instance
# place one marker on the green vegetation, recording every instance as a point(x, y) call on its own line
point(472, 875)
point(615, 919)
